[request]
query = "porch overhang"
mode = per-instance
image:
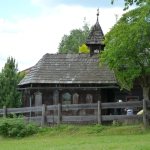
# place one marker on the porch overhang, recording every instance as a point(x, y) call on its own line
point(64, 88)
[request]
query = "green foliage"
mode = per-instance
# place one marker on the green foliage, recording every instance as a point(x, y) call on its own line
point(118, 122)
point(84, 49)
point(59, 130)
point(9, 79)
point(22, 75)
point(127, 48)
point(71, 129)
point(17, 127)
point(131, 2)
point(119, 129)
point(76, 38)
point(95, 129)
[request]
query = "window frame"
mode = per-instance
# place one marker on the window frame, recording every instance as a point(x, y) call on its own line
point(66, 101)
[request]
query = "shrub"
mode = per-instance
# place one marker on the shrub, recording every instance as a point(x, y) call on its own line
point(120, 123)
point(17, 127)
point(84, 49)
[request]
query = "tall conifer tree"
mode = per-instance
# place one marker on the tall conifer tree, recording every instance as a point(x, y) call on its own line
point(9, 78)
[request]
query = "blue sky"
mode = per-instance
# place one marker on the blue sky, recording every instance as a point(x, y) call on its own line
point(31, 28)
point(83, 3)
point(11, 8)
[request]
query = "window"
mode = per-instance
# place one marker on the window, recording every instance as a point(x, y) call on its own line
point(89, 98)
point(38, 98)
point(38, 101)
point(55, 97)
point(66, 99)
point(96, 51)
point(75, 98)
point(133, 99)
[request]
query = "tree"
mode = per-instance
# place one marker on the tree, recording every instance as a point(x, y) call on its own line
point(9, 79)
point(84, 49)
point(76, 38)
point(21, 75)
point(127, 48)
point(131, 2)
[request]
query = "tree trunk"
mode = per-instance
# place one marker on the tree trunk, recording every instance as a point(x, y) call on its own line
point(146, 93)
point(146, 97)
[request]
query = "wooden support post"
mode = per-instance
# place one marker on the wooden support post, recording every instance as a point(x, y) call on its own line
point(30, 104)
point(148, 120)
point(4, 111)
point(147, 113)
point(99, 113)
point(43, 116)
point(59, 115)
point(144, 112)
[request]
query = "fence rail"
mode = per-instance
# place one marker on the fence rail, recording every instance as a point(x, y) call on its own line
point(99, 106)
point(87, 118)
point(76, 106)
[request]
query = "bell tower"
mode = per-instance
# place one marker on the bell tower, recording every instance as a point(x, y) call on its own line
point(95, 38)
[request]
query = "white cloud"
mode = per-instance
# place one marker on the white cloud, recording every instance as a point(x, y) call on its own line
point(8, 27)
point(18, 16)
point(32, 38)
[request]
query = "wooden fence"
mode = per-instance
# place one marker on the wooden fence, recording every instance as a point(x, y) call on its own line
point(43, 119)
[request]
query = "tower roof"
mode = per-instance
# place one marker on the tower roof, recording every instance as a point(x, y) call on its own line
point(96, 36)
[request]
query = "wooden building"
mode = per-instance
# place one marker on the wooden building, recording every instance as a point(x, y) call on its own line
point(74, 79)
point(27, 70)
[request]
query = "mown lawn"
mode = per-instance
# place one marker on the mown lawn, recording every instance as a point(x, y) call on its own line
point(88, 138)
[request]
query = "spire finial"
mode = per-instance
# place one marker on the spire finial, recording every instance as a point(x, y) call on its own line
point(97, 13)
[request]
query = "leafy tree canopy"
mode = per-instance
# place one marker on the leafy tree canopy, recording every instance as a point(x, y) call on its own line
point(76, 38)
point(84, 49)
point(127, 49)
point(9, 79)
point(131, 2)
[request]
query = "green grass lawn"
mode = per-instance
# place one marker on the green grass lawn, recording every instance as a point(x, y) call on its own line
point(88, 138)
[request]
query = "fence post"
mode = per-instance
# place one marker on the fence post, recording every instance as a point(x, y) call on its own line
point(4, 111)
point(59, 115)
point(43, 116)
point(144, 112)
point(99, 113)
point(148, 112)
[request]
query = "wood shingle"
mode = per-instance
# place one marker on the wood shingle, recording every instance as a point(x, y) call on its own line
point(69, 68)
point(96, 36)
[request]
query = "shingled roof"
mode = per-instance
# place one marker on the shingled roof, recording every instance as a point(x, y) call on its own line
point(27, 70)
point(69, 68)
point(96, 36)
